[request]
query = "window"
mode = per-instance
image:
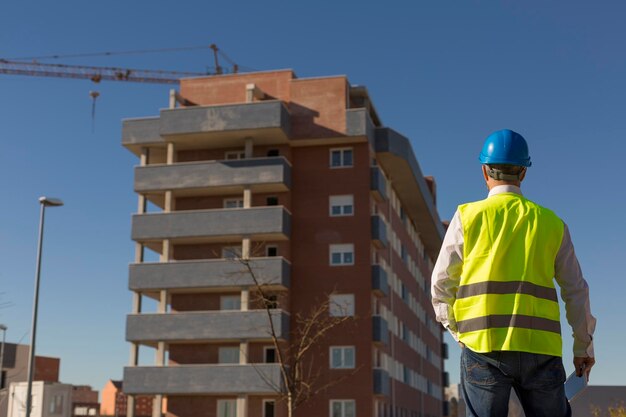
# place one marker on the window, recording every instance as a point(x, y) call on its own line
point(341, 305)
point(269, 354)
point(226, 408)
point(272, 201)
point(235, 155)
point(342, 254)
point(341, 205)
point(406, 375)
point(404, 292)
point(56, 405)
point(341, 157)
point(269, 408)
point(342, 408)
point(233, 202)
point(272, 152)
point(403, 215)
point(271, 250)
point(231, 252)
point(228, 354)
point(230, 302)
point(342, 357)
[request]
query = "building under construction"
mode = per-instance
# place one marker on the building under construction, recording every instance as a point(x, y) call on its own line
point(263, 198)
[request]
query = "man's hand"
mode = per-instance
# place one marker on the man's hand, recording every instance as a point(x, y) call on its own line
point(583, 365)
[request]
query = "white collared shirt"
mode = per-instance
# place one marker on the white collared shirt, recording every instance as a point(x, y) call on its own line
point(574, 289)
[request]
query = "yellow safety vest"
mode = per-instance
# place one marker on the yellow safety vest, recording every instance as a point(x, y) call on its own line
point(506, 298)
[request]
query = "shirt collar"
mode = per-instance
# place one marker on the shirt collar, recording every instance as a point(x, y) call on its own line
point(499, 189)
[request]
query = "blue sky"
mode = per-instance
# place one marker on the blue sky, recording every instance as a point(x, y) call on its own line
point(445, 74)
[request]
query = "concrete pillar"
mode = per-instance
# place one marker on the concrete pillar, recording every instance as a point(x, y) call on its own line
point(245, 248)
point(134, 355)
point(242, 406)
point(172, 102)
point(167, 251)
point(250, 93)
point(163, 297)
point(243, 352)
point(130, 406)
point(245, 299)
point(247, 197)
point(253, 92)
point(143, 159)
point(248, 148)
point(168, 206)
point(171, 157)
point(139, 253)
point(157, 406)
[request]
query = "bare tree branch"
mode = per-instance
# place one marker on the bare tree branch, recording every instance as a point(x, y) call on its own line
point(301, 379)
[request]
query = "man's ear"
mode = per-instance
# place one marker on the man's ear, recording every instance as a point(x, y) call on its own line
point(485, 176)
point(522, 175)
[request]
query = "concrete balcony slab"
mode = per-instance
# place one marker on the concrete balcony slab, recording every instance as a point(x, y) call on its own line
point(269, 223)
point(211, 177)
point(263, 378)
point(265, 121)
point(209, 273)
point(203, 326)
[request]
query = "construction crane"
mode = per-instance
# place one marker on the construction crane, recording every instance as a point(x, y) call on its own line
point(97, 74)
point(30, 66)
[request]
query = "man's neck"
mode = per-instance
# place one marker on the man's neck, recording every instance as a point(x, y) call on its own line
point(505, 188)
point(491, 183)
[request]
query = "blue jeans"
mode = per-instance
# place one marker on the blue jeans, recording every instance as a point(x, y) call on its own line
point(487, 379)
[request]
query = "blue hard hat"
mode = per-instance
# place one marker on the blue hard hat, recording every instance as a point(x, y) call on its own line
point(505, 147)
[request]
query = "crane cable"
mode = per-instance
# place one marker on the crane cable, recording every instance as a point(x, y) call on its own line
point(141, 51)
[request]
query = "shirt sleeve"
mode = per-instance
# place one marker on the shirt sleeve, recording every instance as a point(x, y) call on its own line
point(447, 275)
point(575, 294)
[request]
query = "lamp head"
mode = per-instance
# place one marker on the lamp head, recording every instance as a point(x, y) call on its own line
point(50, 201)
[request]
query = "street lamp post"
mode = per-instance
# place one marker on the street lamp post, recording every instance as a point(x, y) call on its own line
point(44, 202)
point(4, 333)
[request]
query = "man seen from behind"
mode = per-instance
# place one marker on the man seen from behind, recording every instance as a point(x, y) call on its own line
point(493, 289)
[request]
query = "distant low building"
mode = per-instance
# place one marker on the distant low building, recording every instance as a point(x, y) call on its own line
point(596, 400)
point(114, 401)
point(15, 369)
point(84, 401)
point(50, 399)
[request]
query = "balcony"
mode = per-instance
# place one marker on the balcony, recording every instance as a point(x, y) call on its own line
point(378, 185)
point(359, 123)
point(379, 232)
point(382, 383)
point(380, 286)
point(395, 155)
point(257, 379)
point(265, 223)
point(214, 177)
point(445, 379)
point(205, 326)
point(141, 132)
point(210, 273)
point(227, 125)
point(380, 331)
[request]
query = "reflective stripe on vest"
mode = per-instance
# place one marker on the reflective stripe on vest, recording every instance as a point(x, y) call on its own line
point(506, 298)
